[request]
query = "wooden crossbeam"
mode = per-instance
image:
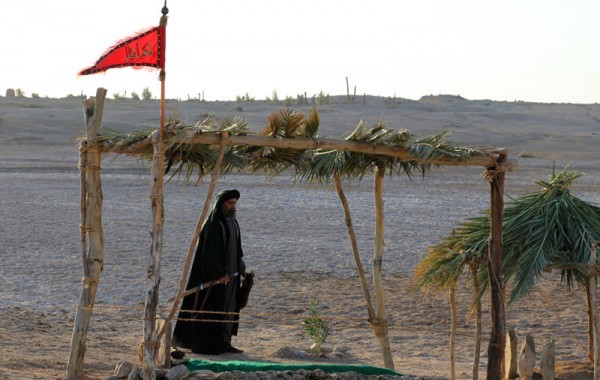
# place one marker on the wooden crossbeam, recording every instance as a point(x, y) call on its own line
point(486, 160)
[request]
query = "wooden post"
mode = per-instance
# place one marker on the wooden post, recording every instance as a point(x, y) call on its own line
point(348, 90)
point(452, 332)
point(92, 226)
point(593, 279)
point(381, 330)
point(495, 176)
point(83, 205)
point(588, 295)
point(590, 306)
point(477, 352)
point(151, 343)
point(164, 353)
point(359, 267)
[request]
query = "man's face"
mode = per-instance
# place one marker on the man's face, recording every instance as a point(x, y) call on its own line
point(229, 207)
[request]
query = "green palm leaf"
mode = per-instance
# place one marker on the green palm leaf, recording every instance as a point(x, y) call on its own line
point(549, 229)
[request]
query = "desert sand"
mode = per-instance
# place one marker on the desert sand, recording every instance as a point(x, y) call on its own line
point(294, 235)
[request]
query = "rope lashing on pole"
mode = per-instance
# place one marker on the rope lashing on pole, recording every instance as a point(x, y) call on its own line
point(150, 343)
point(87, 281)
point(380, 327)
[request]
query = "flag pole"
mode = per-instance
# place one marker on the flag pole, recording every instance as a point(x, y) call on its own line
point(163, 25)
point(150, 344)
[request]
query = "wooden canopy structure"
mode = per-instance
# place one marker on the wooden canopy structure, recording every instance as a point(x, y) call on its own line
point(290, 140)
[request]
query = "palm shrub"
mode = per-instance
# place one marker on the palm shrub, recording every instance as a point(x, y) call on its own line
point(548, 229)
point(315, 327)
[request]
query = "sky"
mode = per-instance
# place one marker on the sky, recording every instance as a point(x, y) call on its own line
point(542, 51)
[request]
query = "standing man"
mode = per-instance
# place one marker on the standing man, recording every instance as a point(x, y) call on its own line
point(218, 260)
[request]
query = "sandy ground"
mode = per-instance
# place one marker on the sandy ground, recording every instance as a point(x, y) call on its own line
point(294, 236)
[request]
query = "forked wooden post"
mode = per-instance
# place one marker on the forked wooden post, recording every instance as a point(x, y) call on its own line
point(91, 225)
point(381, 324)
point(495, 176)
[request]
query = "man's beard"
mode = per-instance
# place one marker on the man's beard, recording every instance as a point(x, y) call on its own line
point(228, 212)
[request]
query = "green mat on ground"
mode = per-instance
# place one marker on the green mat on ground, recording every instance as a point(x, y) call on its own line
point(235, 365)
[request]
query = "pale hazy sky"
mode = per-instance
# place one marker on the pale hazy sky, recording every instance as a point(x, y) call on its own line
point(547, 51)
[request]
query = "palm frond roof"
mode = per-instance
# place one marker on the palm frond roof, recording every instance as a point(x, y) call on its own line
point(274, 149)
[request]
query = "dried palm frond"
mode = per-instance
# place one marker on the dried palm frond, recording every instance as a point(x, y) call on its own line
point(442, 267)
point(202, 157)
point(310, 165)
point(445, 261)
point(436, 146)
point(114, 141)
point(286, 124)
point(326, 163)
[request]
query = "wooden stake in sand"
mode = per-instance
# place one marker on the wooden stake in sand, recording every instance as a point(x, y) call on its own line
point(92, 226)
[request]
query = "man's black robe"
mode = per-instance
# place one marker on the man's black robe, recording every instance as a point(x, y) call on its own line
point(210, 263)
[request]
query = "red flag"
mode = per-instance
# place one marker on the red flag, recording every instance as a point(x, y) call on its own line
point(144, 49)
